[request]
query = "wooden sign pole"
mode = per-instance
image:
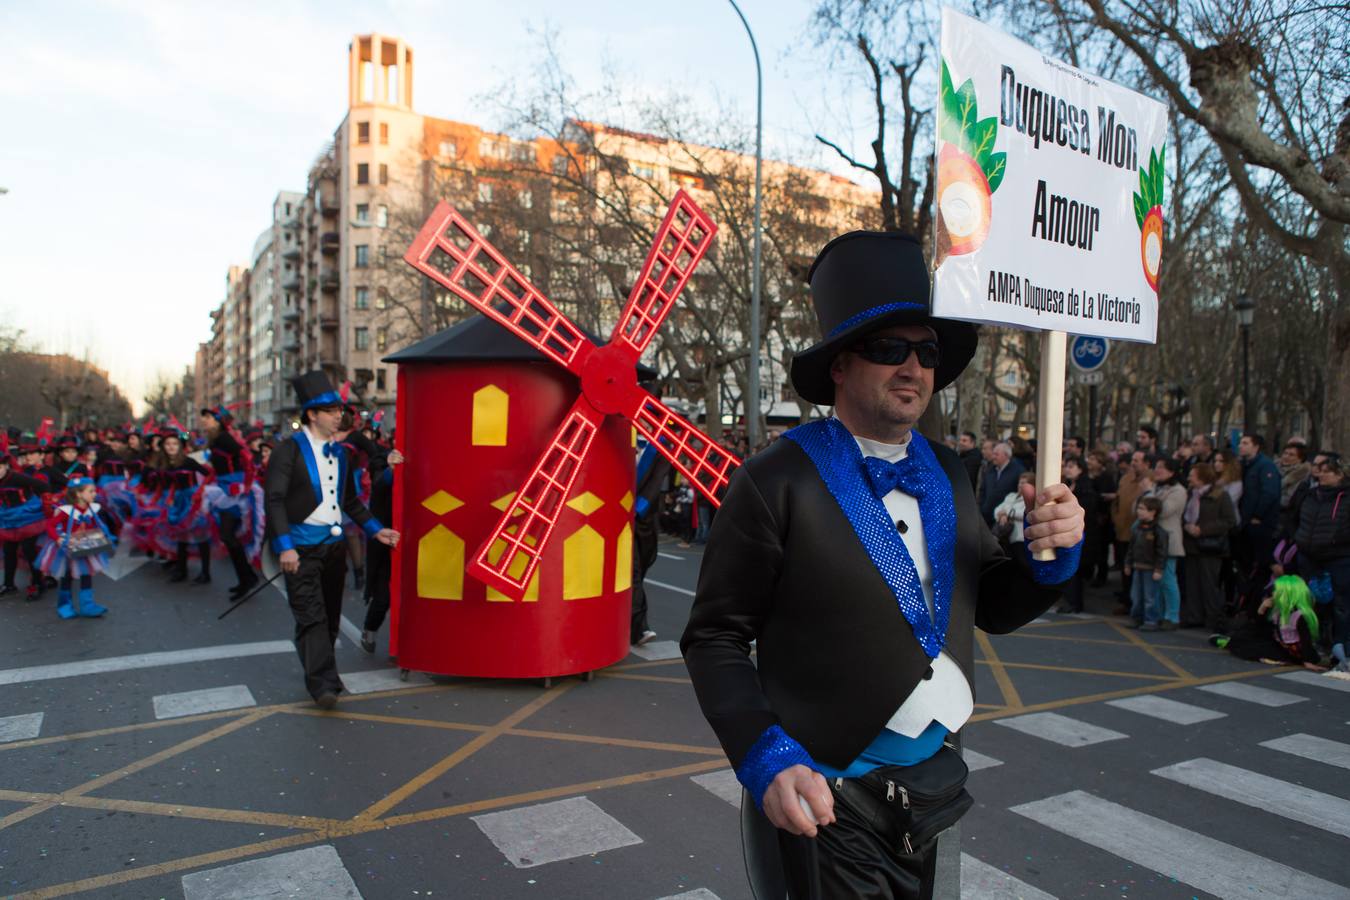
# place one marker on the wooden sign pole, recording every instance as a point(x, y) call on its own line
point(1050, 416)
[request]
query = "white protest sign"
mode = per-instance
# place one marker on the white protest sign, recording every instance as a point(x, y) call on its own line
point(1049, 198)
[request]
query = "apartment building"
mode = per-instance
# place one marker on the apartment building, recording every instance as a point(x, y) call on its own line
point(328, 290)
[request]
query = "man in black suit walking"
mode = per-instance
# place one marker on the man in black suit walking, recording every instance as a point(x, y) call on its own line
point(999, 481)
point(309, 486)
point(852, 551)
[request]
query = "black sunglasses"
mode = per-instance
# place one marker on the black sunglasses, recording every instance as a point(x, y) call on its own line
point(893, 351)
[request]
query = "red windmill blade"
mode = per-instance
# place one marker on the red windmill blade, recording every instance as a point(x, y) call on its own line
point(450, 251)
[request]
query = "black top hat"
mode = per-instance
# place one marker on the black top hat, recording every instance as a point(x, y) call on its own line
point(315, 391)
point(863, 281)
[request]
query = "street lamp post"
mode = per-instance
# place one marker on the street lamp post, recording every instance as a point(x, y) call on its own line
point(752, 404)
point(1246, 311)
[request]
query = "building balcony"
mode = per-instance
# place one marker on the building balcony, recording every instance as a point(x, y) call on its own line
point(328, 281)
point(329, 242)
point(291, 345)
point(291, 284)
point(291, 252)
point(291, 315)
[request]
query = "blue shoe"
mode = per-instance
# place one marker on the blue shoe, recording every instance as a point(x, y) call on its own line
point(63, 607)
point(88, 608)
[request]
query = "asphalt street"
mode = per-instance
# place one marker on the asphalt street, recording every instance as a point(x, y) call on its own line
point(160, 753)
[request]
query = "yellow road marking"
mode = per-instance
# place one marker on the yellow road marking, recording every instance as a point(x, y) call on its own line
point(173, 810)
point(379, 808)
point(664, 679)
point(1151, 650)
point(1079, 671)
point(1011, 698)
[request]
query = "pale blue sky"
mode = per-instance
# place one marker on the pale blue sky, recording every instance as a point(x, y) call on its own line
point(143, 141)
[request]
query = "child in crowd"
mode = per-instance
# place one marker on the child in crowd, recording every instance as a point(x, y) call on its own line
point(1284, 630)
point(1147, 552)
point(79, 546)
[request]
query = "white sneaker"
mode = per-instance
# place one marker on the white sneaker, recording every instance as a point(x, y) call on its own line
point(647, 637)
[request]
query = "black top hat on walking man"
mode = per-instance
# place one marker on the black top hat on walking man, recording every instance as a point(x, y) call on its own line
point(315, 391)
point(863, 281)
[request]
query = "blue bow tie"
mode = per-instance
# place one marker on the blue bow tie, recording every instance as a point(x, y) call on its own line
point(329, 449)
point(884, 476)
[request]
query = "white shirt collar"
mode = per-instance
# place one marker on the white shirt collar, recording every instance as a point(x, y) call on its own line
point(889, 452)
point(314, 441)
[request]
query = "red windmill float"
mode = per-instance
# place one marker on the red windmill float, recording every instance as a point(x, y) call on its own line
point(478, 273)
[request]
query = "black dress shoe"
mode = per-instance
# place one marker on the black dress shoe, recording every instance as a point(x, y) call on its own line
point(177, 576)
point(202, 578)
point(326, 700)
point(243, 587)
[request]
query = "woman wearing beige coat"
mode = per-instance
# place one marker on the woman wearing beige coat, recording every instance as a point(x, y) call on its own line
point(1167, 487)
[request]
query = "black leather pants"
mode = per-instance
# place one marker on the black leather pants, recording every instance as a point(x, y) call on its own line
point(860, 856)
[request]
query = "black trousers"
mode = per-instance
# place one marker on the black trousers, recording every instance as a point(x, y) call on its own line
point(859, 856)
point(29, 547)
point(229, 526)
point(378, 570)
point(315, 596)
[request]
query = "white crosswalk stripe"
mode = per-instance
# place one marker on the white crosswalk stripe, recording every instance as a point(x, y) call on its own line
point(696, 894)
point(1323, 681)
point(381, 680)
point(1308, 746)
point(1061, 729)
point(1281, 798)
point(1173, 711)
point(312, 872)
point(20, 728)
point(981, 881)
point(192, 703)
point(976, 761)
point(551, 832)
point(657, 650)
point(1175, 852)
point(722, 784)
point(1251, 693)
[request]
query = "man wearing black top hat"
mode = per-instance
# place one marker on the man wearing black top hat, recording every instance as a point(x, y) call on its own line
point(309, 487)
point(852, 550)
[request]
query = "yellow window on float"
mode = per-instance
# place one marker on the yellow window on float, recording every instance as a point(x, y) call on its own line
point(490, 406)
point(517, 567)
point(440, 565)
point(531, 592)
point(583, 564)
point(623, 560)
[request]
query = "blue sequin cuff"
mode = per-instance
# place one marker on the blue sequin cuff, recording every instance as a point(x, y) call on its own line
point(1057, 570)
point(372, 527)
point(771, 754)
point(281, 543)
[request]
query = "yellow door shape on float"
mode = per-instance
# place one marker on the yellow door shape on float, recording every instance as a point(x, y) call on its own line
point(440, 565)
point(623, 560)
point(583, 564)
point(490, 408)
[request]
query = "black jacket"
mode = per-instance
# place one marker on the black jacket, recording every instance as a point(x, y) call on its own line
point(836, 656)
point(290, 498)
point(972, 459)
point(997, 486)
point(1324, 523)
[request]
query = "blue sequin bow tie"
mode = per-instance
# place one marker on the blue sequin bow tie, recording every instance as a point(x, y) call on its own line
point(328, 449)
point(884, 477)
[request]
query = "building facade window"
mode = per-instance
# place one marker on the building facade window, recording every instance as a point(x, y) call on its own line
point(447, 150)
point(362, 298)
point(381, 338)
point(363, 173)
point(381, 299)
point(363, 132)
point(362, 256)
point(383, 253)
point(484, 192)
point(362, 338)
point(526, 198)
point(382, 216)
point(363, 212)
point(384, 132)
point(384, 173)
point(379, 379)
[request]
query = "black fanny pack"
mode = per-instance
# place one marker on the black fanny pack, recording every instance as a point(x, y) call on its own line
point(911, 805)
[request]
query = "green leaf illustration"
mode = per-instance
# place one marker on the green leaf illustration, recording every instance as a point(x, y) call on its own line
point(1140, 211)
point(968, 108)
point(1158, 177)
point(950, 126)
point(1145, 188)
point(994, 171)
point(986, 131)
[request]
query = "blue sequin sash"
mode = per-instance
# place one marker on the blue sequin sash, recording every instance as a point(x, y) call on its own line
point(840, 464)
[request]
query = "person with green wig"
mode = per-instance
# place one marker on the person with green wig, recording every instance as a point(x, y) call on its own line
point(1284, 630)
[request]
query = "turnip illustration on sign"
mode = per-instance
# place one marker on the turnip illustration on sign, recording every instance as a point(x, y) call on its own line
point(1049, 198)
point(968, 169)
